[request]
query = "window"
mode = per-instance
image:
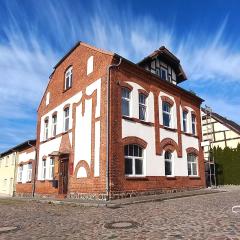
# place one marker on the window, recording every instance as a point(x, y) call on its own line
point(68, 79)
point(6, 161)
point(166, 114)
point(142, 106)
point(47, 98)
point(90, 65)
point(193, 124)
point(163, 72)
point(125, 102)
point(66, 120)
point(185, 121)
point(51, 172)
point(1, 162)
point(13, 158)
point(54, 125)
point(168, 163)
point(29, 172)
point(44, 169)
point(4, 184)
point(133, 160)
point(46, 129)
point(20, 171)
point(192, 164)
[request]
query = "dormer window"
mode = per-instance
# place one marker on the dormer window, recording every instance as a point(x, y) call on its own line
point(163, 73)
point(68, 78)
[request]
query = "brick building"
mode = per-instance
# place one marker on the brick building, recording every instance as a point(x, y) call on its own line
point(110, 128)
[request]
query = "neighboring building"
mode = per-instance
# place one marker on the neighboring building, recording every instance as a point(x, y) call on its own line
point(26, 169)
point(110, 128)
point(220, 131)
point(8, 170)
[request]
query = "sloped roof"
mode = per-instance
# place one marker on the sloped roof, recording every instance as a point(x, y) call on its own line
point(18, 147)
point(228, 123)
point(165, 53)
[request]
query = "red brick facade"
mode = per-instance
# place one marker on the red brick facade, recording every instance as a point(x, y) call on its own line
point(119, 184)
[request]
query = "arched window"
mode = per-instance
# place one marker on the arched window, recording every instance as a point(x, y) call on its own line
point(133, 160)
point(54, 125)
point(168, 163)
point(68, 78)
point(125, 102)
point(166, 107)
point(192, 164)
point(142, 106)
point(46, 129)
point(193, 124)
point(66, 119)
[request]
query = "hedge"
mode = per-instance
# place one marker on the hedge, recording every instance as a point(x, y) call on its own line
point(227, 162)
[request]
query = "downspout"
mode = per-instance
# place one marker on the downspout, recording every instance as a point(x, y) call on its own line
point(35, 169)
point(108, 125)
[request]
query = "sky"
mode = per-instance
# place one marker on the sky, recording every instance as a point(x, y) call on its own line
point(34, 35)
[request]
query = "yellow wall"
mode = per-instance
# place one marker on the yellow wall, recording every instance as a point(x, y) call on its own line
point(7, 174)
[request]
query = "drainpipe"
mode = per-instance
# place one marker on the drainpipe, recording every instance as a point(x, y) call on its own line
point(35, 169)
point(108, 124)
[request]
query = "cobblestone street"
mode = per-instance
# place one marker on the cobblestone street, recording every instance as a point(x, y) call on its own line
point(200, 217)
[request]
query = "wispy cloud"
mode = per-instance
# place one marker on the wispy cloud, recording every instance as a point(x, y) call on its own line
point(32, 42)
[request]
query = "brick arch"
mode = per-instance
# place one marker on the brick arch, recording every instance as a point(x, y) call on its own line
point(167, 99)
point(143, 91)
point(168, 144)
point(192, 150)
point(125, 85)
point(82, 163)
point(134, 140)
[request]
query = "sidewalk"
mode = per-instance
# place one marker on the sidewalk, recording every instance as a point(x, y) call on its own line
point(120, 202)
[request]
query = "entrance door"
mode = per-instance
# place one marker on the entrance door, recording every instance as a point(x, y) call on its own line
point(63, 175)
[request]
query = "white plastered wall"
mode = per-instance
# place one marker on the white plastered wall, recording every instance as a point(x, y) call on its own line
point(154, 164)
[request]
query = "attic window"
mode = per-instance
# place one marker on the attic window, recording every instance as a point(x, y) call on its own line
point(47, 98)
point(68, 78)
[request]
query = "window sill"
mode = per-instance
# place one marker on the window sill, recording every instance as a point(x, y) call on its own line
point(171, 177)
point(170, 129)
point(65, 90)
point(189, 134)
point(140, 178)
point(193, 177)
point(132, 119)
point(19, 182)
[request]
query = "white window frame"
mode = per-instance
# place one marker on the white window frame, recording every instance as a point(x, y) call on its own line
point(66, 118)
point(127, 100)
point(194, 125)
point(54, 125)
point(190, 163)
point(167, 113)
point(166, 72)
point(171, 160)
point(143, 106)
point(7, 161)
point(134, 158)
point(68, 78)
point(185, 121)
point(20, 173)
point(29, 172)
point(51, 168)
point(46, 128)
point(44, 169)
point(5, 184)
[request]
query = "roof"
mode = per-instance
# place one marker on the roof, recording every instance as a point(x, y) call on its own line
point(170, 57)
point(19, 146)
point(228, 123)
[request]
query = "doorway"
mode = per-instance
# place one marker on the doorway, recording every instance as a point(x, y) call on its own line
point(63, 175)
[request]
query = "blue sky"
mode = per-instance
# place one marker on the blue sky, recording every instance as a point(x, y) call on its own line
point(34, 35)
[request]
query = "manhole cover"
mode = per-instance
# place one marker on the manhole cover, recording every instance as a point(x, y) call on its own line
point(121, 225)
point(8, 229)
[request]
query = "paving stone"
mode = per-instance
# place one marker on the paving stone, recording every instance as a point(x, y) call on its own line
point(199, 217)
